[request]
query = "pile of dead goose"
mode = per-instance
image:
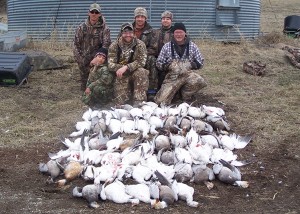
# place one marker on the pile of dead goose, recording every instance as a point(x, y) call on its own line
point(161, 148)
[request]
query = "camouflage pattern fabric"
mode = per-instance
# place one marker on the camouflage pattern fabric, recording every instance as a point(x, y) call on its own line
point(256, 68)
point(88, 39)
point(162, 36)
point(148, 37)
point(179, 78)
point(135, 79)
point(153, 74)
point(137, 82)
point(100, 82)
point(294, 56)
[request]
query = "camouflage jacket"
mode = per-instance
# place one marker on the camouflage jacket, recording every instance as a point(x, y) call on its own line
point(89, 38)
point(120, 54)
point(148, 38)
point(162, 36)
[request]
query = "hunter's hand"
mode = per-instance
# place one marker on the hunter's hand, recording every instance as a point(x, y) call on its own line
point(121, 71)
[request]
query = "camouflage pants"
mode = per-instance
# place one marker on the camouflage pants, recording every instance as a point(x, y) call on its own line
point(153, 76)
point(84, 71)
point(136, 82)
point(98, 95)
point(187, 83)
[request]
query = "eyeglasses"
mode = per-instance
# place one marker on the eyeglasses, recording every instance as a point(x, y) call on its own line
point(94, 12)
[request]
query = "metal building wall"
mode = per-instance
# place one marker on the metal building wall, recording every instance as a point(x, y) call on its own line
point(46, 19)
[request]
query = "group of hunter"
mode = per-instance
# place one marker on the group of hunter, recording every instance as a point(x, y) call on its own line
point(142, 59)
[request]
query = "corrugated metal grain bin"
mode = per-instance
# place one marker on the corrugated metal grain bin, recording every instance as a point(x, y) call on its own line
point(12, 41)
point(223, 20)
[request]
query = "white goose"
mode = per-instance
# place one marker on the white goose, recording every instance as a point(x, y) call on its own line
point(128, 126)
point(139, 191)
point(80, 127)
point(185, 193)
point(116, 192)
point(234, 141)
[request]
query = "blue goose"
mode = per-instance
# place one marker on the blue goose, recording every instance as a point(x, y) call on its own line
point(229, 174)
point(90, 193)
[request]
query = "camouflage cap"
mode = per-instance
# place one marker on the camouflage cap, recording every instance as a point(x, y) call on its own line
point(126, 26)
point(167, 14)
point(140, 11)
point(95, 6)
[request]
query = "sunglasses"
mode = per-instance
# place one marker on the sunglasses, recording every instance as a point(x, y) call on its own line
point(94, 12)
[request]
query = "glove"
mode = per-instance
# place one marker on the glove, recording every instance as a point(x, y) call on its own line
point(195, 65)
point(166, 67)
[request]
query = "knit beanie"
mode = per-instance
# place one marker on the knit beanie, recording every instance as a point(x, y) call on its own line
point(102, 51)
point(167, 14)
point(140, 11)
point(179, 26)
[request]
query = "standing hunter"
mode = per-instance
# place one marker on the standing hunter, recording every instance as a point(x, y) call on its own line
point(126, 59)
point(90, 36)
point(179, 58)
point(143, 31)
point(163, 35)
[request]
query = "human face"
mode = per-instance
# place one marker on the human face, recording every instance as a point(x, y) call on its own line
point(101, 59)
point(127, 36)
point(179, 36)
point(140, 21)
point(94, 16)
point(166, 22)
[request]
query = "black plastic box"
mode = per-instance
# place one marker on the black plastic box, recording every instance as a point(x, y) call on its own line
point(292, 23)
point(14, 68)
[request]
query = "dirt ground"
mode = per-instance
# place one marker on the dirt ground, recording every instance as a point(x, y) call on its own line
point(34, 116)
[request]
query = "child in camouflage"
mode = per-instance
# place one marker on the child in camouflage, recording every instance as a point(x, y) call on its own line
point(99, 88)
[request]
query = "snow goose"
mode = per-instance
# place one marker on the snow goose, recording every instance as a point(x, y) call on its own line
point(214, 111)
point(196, 112)
point(114, 144)
point(183, 172)
point(80, 127)
point(203, 174)
point(128, 126)
point(234, 141)
point(114, 126)
point(218, 122)
point(229, 174)
point(122, 113)
point(178, 140)
point(51, 168)
point(200, 154)
point(166, 156)
point(139, 191)
point(98, 141)
point(86, 116)
point(116, 192)
point(183, 109)
point(183, 155)
point(185, 193)
point(143, 126)
point(161, 141)
point(90, 192)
